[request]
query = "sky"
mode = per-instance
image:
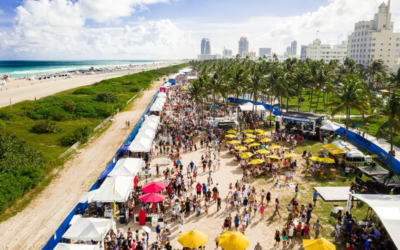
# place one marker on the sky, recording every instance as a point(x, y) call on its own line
point(171, 29)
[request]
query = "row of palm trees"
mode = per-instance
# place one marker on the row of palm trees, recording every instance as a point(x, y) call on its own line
point(342, 87)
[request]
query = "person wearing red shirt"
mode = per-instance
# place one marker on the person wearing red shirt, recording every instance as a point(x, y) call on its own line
point(198, 189)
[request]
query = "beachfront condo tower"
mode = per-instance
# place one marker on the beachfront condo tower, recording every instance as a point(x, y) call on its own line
point(205, 46)
point(243, 45)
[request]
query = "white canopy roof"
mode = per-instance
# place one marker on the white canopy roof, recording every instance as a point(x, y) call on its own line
point(330, 127)
point(162, 94)
point(249, 107)
point(88, 229)
point(88, 197)
point(146, 132)
point(150, 124)
point(64, 246)
point(127, 167)
point(387, 208)
point(140, 145)
point(167, 84)
point(115, 188)
point(154, 118)
point(157, 106)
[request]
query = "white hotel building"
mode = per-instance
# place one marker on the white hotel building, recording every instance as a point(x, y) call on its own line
point(375, 40)
point(318, 51)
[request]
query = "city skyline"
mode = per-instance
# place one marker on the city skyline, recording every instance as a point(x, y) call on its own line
point(164, 29)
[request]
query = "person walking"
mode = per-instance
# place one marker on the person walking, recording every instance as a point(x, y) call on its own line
point(258, 246)
point(277, 208)
point(315, 196)
point(317, 228)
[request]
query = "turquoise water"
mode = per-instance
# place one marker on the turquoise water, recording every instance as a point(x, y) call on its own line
point(31, 68)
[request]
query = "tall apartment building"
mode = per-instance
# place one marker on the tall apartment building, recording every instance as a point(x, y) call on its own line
point(226, 53)
point(303, 52)
point(293, 48)
point(205, 47)
point(264, 51)
point(375, 40)
point(243, 45)
point(252, 55)
point(318, 51)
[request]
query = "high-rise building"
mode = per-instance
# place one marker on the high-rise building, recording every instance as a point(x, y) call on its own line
point(264, 51)
point(303, 53)
point(293, 48)
point(226, 53)
point(205, 46)
point(318, 51)
point(251, 55)
point(243, 45)
point(375, 39)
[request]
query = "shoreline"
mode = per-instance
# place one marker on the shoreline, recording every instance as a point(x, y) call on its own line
point(21, 90)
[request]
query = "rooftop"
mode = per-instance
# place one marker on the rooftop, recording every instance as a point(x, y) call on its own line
point(303, 115)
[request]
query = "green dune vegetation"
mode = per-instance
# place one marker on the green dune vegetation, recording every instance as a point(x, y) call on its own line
point(33, 134)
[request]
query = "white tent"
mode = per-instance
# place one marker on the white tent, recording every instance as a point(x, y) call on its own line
point(88, 197)
point(127, 167)
point(115, 188)
point(249, 107)
point(146, 132)
point(88, 229)
point(387, 208)
point(150, 124)
point(330, 127)
point(157, 106)
point(64, 246)
point(140, 145)
point(154, 118)
point(162, 94)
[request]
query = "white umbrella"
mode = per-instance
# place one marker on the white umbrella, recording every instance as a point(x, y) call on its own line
point(330, 127)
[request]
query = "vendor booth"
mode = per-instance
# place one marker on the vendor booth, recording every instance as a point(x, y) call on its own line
point(115, 189)
point(64, 246)
point(127, 167)
point(141, 145)
point(87, 229)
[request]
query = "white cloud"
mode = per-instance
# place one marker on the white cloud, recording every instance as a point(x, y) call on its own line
point(1, 11)
point(62, 33)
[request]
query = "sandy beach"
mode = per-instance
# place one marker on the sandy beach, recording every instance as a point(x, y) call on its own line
point(21, 90)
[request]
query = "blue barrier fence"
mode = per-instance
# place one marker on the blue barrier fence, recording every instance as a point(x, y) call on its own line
point(372, 147)
point(57, 236)
point(275, 110)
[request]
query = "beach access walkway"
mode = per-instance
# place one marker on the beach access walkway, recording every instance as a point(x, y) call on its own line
point(32, 227)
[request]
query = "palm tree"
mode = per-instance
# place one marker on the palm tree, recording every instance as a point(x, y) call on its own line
point(375, 67)
point(391, 111)
point(324, 76)
point(256, 85)
point(300, 78)
point(394, 79)
point(197, 92)
point(352, 96)
point(214, 85)
point(237, 79)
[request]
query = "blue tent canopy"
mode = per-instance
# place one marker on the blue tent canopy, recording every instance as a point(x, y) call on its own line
point(124, 148)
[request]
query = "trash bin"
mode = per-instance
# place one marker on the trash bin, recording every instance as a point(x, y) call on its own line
point(154, 221)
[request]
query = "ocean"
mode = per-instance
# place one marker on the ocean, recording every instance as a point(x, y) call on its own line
point(31, 68)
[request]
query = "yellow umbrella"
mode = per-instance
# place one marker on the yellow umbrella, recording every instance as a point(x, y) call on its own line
point(231, 131)
point(250, 136)
point(233, 142)
point(326, 160)
point(246, 155)
point(266, 140)
point(274, 147)
point(260, 131)
point(254, 144)
point(256, 162)
point(318, 244)
point(291, 155)
point(248, 140)
point(313, 158)
point(185, 88)
point(262, 151)
point(274, 157)
point(192, 239)
point(233, 241)
point(230, 136)
point(248, 131)
point(241, 148)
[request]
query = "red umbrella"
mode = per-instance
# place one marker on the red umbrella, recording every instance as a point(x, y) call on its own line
point(152, 198)
point(154, 187)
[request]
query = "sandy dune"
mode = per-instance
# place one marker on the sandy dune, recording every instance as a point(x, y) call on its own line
point(21, 90)
point(31, 228)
